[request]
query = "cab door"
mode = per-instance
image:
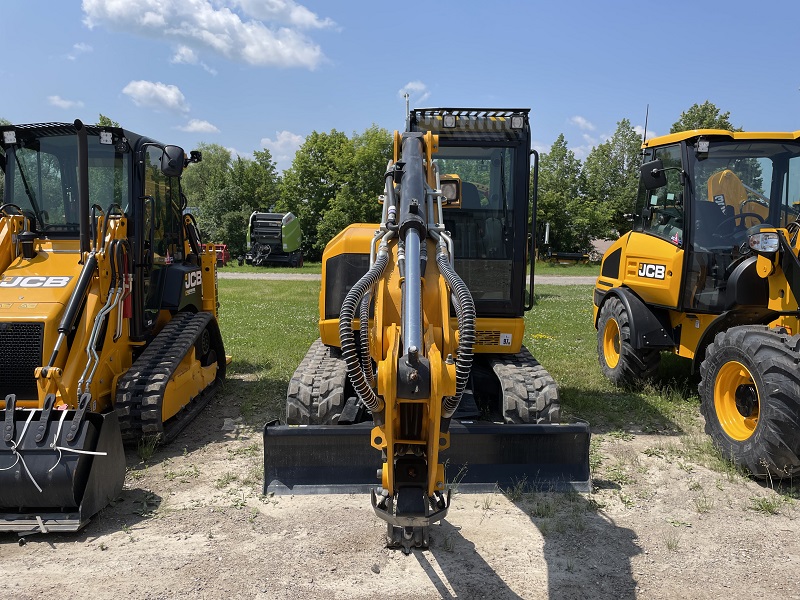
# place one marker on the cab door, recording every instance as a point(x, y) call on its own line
point(653, 261)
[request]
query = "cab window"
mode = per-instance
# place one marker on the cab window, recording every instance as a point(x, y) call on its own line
point(662, 209)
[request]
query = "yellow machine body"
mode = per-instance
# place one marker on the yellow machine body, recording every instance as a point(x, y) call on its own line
point(710, 272)
point(421, 369)
point(108, 315)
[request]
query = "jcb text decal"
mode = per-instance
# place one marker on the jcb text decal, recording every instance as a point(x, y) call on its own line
point(193, 279)
point(34, 281)
point(652, 271)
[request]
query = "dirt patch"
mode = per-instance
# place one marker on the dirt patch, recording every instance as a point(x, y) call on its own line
point(192, 523)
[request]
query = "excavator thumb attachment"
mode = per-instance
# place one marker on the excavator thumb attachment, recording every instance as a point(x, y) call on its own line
point(57, 467)
point(331, 459)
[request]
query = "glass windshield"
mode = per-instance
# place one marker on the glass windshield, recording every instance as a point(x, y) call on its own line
point(482, 231)
point(42, 179)
point(736, 185)
point(748, 183)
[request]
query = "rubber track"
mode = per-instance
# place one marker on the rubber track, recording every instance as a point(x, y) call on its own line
point(140, 392)
point(316, 390)
point(530, 394)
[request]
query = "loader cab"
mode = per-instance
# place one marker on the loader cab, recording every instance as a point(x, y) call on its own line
point(125, 173)
point(41, 176)
point(490, 154)
point(699, 195)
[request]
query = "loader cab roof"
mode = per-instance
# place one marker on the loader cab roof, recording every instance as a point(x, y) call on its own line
point(674, 138)
point(486, 125)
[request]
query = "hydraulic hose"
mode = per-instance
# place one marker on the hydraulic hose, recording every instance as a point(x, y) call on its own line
point(363, 319)
point(465, 312)
point(349, 348)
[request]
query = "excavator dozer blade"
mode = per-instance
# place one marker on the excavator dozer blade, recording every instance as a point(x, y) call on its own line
point(49, 482)
point(331, 459)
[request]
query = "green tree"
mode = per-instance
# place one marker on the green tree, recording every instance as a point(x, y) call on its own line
point(104, 121)
point(206, 185)
point(610, 179)
point(559, 201)
point(318, 172)
point(264, 173)
point(333, 181)
point(703, 116)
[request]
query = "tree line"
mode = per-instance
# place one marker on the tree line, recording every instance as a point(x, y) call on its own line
point(595, 198)
point(335, 179)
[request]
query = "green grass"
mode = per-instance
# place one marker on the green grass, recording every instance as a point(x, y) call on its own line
point(561, 335)
point(569, 270)
point(541, 268)
point(269, 325)
point(308, 267)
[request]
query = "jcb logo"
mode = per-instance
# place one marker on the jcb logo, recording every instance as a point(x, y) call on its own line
point(193, 279)
point(652, 271)
point(34, 281)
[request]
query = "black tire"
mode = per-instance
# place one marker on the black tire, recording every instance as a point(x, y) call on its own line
point(750, 398)
point(619, 361)
point(316, 394)
point(530, 394)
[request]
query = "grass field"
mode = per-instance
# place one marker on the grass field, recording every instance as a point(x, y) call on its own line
point(269, 325)
point(542, 268)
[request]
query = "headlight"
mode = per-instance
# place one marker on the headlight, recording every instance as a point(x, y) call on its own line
point(765, 243)
point(450, 191)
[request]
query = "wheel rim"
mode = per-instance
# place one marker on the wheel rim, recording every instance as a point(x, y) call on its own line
point(611, 343)
point(736, 400)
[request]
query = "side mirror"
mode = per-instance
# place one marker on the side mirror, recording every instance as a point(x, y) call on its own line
point(653, 175)
point(172, 161)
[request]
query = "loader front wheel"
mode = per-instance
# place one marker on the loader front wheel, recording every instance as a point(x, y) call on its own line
point(750, 398)
point(620, 362)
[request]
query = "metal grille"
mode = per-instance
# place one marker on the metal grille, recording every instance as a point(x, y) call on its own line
point(487, 338)
point(20, 354)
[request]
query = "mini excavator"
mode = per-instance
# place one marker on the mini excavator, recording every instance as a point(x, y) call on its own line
point(420, 373)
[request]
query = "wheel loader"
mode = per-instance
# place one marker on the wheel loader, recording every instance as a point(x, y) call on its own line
point(710, 272)
point(420, 381)
point(108, 315)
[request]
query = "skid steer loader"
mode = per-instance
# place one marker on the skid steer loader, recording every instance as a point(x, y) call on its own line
point(420, 362)
point(108, 315)
point(710, 272)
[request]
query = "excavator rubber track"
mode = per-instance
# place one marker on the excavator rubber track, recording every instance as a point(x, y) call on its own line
point(140, 392)
point(530, 394)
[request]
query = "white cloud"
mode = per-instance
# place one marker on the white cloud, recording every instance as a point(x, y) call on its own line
point(283, 11)
point(416, 90)
point(199, 126)
point(582, 123)
point(650, 133)
point(207, 25)
point(60, 102)
point(78, 49)
point(283, 147)
point(187, 56)
point(158, 96)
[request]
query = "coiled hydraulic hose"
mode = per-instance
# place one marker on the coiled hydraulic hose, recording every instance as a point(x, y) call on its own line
point(363, 319)
point(349, 348)
point(465, 312)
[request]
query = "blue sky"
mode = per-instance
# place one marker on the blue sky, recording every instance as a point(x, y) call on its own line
point(253, 74)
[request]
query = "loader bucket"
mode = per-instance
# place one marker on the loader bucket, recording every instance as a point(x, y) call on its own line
point(54, 477)
point(331, 459)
